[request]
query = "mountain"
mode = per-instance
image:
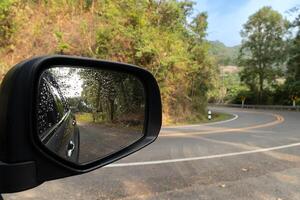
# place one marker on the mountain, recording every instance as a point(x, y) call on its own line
point(224, 55)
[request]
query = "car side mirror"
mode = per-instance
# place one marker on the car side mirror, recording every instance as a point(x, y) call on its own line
point(62, 116)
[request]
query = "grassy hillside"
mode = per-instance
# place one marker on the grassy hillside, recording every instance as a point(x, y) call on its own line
point(224, 55)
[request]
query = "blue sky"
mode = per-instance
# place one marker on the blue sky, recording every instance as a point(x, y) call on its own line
point(226, 17)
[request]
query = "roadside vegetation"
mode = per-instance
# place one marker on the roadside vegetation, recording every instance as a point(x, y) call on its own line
point(156, 35)
point(164, 37)
point(267, 65)
point(215, 117)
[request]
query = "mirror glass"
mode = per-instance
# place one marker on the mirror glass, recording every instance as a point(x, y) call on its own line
point(84, 114)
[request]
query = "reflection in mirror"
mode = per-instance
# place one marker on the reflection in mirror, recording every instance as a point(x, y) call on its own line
point(84, 114)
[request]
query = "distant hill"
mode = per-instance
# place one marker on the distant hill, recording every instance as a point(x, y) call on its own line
point(224, 55)
point(228, 69)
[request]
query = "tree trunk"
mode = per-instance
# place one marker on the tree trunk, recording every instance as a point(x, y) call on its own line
point(98, 102)
point(98, 106)
point(112, 109)
point(124, 94)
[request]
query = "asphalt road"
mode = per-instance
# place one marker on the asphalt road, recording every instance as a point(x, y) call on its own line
point(97, 141)
point(254, 156)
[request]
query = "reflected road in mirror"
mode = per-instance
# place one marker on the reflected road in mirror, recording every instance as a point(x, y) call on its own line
point(84, 114)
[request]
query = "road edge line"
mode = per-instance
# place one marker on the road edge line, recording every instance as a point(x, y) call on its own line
point(261, 150)
point(235, 117)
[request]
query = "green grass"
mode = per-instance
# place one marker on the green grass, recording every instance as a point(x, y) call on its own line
point(84, 117)
point(220, 117)
point(88, 118)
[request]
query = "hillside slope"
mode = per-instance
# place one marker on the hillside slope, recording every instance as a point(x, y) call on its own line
point(224, 55)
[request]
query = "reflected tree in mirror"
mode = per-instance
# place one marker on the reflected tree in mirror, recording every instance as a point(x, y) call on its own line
point(84, 114)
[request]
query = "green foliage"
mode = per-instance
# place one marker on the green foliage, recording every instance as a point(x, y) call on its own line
point(293, 73)
point(234, 87)
point(199, 26)
point(263, 50)
point(157, 36)
point(160, 36)
point(229, 87)
point(6, 23)
point(294, 89)
point(84, 117)
point(112, 96)
point(224, 55)
point(61, 44)
point(294, 61)
point(291, 89)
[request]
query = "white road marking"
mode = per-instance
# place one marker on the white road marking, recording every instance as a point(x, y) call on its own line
point(205, 124)
point(225, 121)
point(202, 157)
point(279, 119)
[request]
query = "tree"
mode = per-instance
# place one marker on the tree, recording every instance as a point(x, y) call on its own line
point(112, 95)
point(293, 72)
point(262, 54)
point(292, 84)
point(201, 67)
point(158, 35)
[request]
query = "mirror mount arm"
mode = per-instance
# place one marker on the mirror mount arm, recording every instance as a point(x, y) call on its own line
point(17, 176)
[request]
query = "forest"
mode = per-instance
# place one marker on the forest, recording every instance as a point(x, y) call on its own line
point(269, 59)
point(167, 38)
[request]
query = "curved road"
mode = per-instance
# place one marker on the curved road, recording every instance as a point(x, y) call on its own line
point(254, 156)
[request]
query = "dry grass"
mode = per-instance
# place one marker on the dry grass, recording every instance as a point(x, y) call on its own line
point(36, 34)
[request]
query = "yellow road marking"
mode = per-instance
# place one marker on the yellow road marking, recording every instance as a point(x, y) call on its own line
point(279, 120)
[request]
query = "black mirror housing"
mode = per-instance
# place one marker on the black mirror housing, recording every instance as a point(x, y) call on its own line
point(24, 162)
